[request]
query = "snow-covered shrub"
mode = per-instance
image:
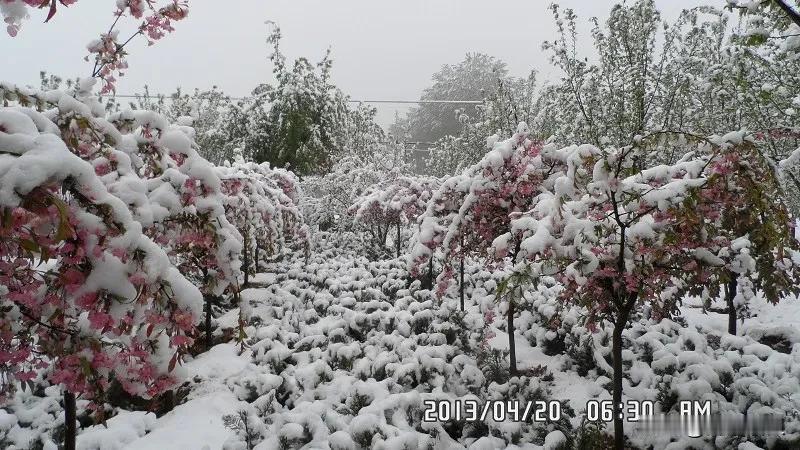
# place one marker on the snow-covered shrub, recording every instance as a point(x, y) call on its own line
point(355, 375)
point(88, 297)
point(390, 206)
point(248, 427)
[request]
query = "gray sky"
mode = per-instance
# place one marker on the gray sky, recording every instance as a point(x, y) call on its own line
point(382, 49)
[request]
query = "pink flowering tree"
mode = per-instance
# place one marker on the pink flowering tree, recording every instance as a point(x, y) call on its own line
point(392, 205)
point(153, 166)
point(470, 215)
point(87, 297)
point(756, 246)
point(620, 237)
point(263, 205)
point(155, 19)
point(186, 213)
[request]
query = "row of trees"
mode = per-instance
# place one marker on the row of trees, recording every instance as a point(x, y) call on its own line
point(622, 237)
point(116, 234)
point(651, 210)
point(392, 205)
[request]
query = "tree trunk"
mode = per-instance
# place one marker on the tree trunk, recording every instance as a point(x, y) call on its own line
point(461, 283)
point(616, 352)
point(168, 401)
point(730, 294)
point(429, 281)
point(255, 256)
point(398, 240)
point(512, 345)
point(208, 299)
point(246, 264)
point(70, 417)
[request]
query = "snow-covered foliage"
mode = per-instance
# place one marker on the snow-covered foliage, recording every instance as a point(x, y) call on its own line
point(263, 205)
point(111, 224)
point(657, 261)
point(342, 352)
point(304, 122)
point(87, 297)
point(765, 21)
point(328, 197)
point(392, 205)
point(471, 210)
point(186, 200)
point(511, 101)
point(620, 237)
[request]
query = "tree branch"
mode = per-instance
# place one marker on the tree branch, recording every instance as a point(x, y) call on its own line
point(794, 15)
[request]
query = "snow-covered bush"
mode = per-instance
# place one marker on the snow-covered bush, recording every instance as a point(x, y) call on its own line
point(342, 354)
point(392, 205)
point(88, 297)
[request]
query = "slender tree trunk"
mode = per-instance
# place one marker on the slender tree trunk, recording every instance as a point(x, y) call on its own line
point(730, 294)
point(430, 273)
point(616, 352)
point(398, 239)
point(70, 417)
point(255, 256)
point(208, 299)
point(461, 283)
point(168, 400)
point(512, 345)
point(246, 264)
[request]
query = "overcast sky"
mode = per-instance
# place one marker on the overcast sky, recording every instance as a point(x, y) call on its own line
point(382, 49)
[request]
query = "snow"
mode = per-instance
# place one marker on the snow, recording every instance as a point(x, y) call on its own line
point(331, 349)
point(338, 391)
point(195, 424)
point(118, 432)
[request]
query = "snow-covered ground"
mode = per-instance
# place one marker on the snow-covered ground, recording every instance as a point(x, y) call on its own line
point(341, 353)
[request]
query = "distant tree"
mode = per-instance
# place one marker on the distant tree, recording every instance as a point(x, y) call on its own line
point(329, 197)
point(510, 103)
point(392, 205)
point(299, 123)
point(474, 78)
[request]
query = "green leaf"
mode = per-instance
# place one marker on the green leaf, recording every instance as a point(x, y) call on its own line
point(86, 367)
point(64, 229)
point(755, 39)
point(29, 245)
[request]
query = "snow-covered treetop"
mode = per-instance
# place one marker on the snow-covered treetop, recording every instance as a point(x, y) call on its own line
point(400, 199)
point(615, 233)
point(469, 211)
point(263, 203)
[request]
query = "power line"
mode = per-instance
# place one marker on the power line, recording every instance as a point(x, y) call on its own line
point(418, 102)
